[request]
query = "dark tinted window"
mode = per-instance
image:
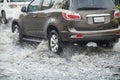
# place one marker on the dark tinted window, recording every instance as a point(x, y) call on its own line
point(66, 4)
point(92, 4)
point(1, 1)
point(117, 2)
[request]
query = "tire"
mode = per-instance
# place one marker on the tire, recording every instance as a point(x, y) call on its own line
point(54, 42)
point(18, 33)
point(3, 19)
point(107, 45)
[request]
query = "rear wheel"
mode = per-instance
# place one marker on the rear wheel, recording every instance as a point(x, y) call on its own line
point(3, 19)
point(54, 42)
point(107, 45)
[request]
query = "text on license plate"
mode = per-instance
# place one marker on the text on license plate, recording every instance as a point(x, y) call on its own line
point(99, 19)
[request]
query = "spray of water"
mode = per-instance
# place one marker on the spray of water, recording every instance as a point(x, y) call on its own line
point(28, 62)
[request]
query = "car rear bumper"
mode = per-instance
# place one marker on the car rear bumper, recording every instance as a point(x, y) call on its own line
point(73, 35)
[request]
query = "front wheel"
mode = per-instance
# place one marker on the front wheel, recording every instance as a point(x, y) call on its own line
point(3, 19)
point(18, 33)
point(54, 42)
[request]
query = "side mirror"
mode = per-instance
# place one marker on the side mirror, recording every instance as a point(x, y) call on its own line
point(24, 9)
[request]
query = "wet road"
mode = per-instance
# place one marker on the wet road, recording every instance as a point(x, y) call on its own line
point(36, 62)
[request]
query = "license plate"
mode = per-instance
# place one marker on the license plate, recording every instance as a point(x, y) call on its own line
point(99, 20)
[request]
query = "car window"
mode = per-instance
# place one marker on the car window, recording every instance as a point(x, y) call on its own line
point(35, 6)
point(47, 4)
point(58, 4)
point(66, 4)
point(92, 4)
point(1, 1)
point(117, 2)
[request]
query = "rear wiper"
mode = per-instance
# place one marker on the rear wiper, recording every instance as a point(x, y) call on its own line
point(89, 8)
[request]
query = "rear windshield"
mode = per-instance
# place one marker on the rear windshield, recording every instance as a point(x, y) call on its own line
point(92, 4)
point(20, 0)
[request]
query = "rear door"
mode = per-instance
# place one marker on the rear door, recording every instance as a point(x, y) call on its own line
point(42, 17)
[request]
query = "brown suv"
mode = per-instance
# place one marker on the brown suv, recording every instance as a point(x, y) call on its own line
point(69, 21)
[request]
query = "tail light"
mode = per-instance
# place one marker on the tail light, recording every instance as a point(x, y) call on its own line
point(117, 14)
point(118, 33)
point(12, 5)
point(77, 36)
point(71, 16)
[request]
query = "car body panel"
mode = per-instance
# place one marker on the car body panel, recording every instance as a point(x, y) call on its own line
point(36, 23)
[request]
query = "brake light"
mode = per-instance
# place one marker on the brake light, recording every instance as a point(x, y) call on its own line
point(118, 33)
point(117, 14)
point(79, 36)
point(12, 5)
point(71, 16)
